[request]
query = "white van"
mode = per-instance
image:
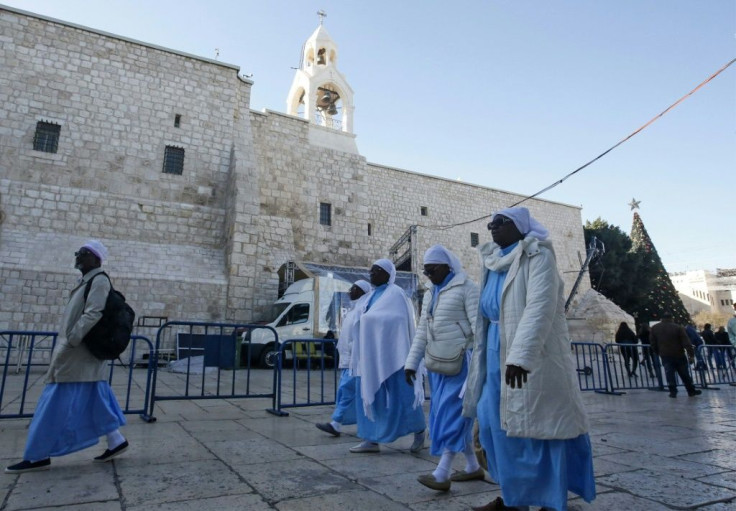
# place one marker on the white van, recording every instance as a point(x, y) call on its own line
point(309, 308)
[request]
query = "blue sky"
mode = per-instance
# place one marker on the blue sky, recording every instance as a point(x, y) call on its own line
point(507, 94)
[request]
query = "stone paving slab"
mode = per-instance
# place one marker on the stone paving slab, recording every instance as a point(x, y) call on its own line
point(675, 491)
point(172, 482)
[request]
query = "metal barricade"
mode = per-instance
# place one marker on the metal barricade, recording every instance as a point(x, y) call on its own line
point(591, 366)
point(633, 366)
point(204, 362)
point(311, 359)
point(715, 365)
point(29, 354)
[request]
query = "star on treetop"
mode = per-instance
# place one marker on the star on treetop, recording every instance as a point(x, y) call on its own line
point(634, 204)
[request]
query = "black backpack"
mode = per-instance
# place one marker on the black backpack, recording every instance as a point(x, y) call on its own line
point(110, 336)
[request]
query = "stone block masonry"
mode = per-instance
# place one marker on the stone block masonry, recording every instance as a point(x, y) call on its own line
point(206, 244)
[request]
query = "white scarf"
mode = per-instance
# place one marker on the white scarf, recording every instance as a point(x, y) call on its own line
point(384, 335)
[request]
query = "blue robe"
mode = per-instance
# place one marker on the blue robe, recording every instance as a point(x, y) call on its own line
point(70, 417)
point(531, 472)
point(345, 402)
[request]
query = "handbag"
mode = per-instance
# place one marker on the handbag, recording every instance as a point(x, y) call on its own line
point(444, 358)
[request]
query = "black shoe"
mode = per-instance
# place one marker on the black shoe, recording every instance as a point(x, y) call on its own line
point(673, 394)
point(112, 453)
point(695, 393)
point(327, 428)
point(28, 466)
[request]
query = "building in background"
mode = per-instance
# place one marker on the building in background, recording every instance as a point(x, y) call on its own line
point(702, 290)
point(200, 199)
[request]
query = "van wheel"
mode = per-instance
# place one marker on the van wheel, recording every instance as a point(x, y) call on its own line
point(268, 357)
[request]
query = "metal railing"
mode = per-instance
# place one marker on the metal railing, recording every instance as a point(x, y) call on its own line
point(26, 356)
point(314, 375)
point(208, 359)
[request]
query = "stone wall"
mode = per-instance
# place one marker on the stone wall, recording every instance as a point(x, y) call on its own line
point(207, 244)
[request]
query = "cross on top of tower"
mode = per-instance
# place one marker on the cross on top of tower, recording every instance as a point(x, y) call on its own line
point(322, 15)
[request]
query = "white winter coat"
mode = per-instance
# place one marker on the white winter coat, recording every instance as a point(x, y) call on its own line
point(533, 335)
point(453, 321)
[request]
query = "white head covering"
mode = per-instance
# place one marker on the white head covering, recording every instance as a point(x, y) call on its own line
point(364, 285)
point(387, 265)
point(527, 225)
point(437, 254)
point(97, 248)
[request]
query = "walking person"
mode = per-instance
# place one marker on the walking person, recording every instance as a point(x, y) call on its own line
point(344, 413)
point(711, 342)
point(77, 405)
point(522, 383)
point(386, 408)
point(724, 346)
point(670, 342)
point(443, 339)
point(696, 341)
point(625, 335)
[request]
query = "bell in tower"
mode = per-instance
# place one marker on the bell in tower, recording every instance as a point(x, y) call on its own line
point(319, 92)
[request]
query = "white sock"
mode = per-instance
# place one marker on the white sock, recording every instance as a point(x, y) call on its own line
point(471, 460)
point(442, 472)
point(336, 425)
point(114, 439)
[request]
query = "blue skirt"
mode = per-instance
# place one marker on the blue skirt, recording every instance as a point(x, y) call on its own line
point(393, 412)
point(448, 429)
point(531, 472)
point(71, 417)
point(345, 402)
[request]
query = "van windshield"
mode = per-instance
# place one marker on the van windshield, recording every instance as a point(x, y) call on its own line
point(274, 312)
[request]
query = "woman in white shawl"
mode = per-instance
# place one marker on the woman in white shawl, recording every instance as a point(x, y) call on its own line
point(344, 413)
point(386, 407)
point(446, 330)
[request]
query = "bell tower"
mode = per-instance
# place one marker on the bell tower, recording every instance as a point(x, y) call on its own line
point(319, 92)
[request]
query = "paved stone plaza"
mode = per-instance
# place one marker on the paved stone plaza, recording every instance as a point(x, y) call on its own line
point(651, 453)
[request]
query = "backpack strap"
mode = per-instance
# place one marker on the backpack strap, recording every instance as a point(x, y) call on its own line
point(89, 284)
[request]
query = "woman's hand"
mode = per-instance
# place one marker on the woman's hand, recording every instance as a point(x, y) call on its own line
point(410, 375)
point(515, 375)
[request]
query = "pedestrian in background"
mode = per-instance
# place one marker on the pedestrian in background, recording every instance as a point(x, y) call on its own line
point(522, 383)
point(386, 407)
point(443, 341)
point(671, 343)
point(625, 335)
point(77, 405)
point(344, 413)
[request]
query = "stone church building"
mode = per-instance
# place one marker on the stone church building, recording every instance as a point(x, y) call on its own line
point(200, 199)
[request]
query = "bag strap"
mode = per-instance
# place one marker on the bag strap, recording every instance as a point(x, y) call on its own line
point(89, 283)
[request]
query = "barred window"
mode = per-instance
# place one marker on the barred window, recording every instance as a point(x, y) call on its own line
point(423, 210)
point(325, 213)
point(173, 160)
point(46, 138)
point(474, 239)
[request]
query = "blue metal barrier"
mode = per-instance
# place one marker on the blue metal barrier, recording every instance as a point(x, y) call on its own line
point(220, 347)
point(29, 352)
point(591, 366)
point(716, 365)
point(633, 366)
point(308, 357)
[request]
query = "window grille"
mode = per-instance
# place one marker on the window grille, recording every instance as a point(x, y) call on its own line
point(325, 213)
point(173, 160)
point(474, 239)
point(46, 138)
point(423, 210)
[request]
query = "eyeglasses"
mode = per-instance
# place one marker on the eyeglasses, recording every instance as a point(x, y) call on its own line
point(82, 252)
point(498, 222)
point(431, 271)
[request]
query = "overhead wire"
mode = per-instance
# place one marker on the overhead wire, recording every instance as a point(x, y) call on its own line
point(625, 139)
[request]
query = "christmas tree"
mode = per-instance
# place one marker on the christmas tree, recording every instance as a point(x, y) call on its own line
point(662, 298)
